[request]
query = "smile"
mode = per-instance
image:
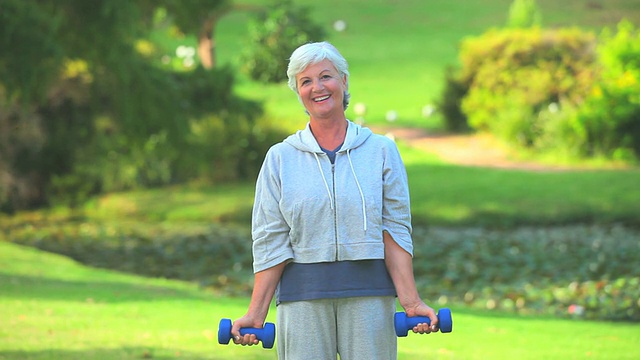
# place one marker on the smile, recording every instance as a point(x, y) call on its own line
point(322, 98)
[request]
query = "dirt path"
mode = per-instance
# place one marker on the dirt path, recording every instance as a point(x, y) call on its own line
point(470, 150)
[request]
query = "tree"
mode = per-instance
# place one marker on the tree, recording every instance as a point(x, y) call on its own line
point(275, 34)
point(79, 99)
point(200, 17)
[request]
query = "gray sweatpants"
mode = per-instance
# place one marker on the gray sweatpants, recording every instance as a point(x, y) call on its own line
point(356, 328)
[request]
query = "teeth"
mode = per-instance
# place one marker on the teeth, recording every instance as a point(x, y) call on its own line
point(321, 98)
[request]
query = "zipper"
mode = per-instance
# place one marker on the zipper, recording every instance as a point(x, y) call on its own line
point(335, 208)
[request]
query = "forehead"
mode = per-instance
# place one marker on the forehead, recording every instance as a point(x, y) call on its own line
point(317, 68)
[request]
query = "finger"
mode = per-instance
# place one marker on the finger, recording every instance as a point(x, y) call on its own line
point(246, 340)
point(422, 328)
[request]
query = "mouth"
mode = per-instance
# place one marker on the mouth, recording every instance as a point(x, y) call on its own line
point(321, 98)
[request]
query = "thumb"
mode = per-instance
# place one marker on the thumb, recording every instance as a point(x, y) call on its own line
point(235, 331)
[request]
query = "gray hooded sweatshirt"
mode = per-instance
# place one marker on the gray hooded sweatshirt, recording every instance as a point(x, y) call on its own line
point(308, 210)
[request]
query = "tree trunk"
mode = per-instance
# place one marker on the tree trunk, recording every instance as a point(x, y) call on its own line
point(207, 44)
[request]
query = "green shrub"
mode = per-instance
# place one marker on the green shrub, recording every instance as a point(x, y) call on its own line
point(515, 74)
point(450, 103)
point(609, 120)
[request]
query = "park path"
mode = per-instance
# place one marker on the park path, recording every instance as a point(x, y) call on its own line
point(469, 150)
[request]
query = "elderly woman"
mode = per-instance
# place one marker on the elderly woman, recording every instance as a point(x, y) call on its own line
point(331, 228)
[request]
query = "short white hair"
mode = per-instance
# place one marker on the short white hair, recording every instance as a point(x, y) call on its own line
point(313, 53)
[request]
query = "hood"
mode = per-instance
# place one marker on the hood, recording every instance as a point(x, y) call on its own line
point(304, 140)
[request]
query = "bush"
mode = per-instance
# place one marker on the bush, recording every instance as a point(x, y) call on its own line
point(555, 91)
point(515, 74)
point(450, 103)
point(274, 35)
point(609, 120)
point(197, 130)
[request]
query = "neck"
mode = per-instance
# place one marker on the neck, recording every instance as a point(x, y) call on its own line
point(329, 133)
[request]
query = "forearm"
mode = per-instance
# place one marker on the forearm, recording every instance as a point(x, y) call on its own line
point(400, 266)
point(264, 287)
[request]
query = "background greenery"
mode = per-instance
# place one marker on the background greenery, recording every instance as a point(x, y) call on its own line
point(522, 257)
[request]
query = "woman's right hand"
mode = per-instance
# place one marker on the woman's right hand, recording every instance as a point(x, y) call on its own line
point(264, 287)
point(245, 322)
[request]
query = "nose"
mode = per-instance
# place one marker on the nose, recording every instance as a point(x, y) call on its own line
point(317, 86)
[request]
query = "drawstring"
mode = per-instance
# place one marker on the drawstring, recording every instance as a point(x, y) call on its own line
point(364, 207)
point(325, 181)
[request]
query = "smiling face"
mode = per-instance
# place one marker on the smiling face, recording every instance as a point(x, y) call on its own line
point(321, 89)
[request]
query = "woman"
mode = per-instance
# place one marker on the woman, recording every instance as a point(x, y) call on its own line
point(331, 228)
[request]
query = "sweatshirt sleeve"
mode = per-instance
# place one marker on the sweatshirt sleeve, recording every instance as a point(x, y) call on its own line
point(270, 232)
point(396, 208)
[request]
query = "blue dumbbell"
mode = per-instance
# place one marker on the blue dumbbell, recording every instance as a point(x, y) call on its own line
point(267, 334)
point(403, 323)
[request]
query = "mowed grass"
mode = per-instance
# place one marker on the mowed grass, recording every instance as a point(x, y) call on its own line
point(441, 194)
point(448, 194)
point(398, 50)
point(54, 308)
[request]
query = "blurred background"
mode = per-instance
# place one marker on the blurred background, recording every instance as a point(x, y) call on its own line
point(131, 134)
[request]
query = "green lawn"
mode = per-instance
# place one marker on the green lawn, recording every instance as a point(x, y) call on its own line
point(441, 194)
point(54, 308)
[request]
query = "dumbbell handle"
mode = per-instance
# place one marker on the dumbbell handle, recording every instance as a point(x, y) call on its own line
point(414, 321)
point(260, 333)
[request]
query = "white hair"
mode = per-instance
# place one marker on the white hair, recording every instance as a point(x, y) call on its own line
point(313, 53)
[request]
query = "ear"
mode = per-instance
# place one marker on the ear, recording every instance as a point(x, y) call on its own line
point(345, 82)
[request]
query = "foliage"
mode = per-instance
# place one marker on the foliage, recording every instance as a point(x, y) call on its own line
point(608, 123)
point(535, 270)
point(450, 103)
point(34, 45)
point(274, 35)
point(514, 74)
point(524, 14)
point(552, 270)
point(552, 90)
point(105, 114)
point(212, 256)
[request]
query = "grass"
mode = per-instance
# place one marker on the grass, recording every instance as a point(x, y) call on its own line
point(54, 308)
point(446, 194)
point(441, 194)
point(398, 50)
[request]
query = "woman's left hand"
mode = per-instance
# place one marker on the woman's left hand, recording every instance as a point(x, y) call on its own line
point(422, 309)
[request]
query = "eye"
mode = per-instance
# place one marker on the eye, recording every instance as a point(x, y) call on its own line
point(326, 77)
point(304, 82)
